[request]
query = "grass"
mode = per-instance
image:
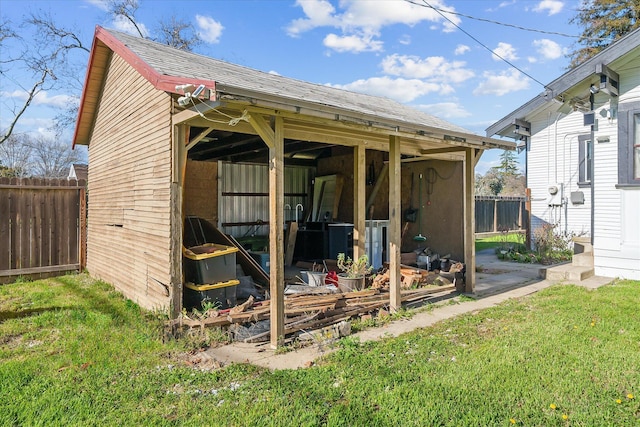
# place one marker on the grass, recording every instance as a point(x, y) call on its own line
point(73, 352)
point(494, 242)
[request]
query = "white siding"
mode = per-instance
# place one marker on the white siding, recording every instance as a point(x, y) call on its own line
point(617, 210)
point(553, 158)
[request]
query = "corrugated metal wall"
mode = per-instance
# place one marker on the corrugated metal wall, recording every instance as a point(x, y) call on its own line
point(244, 196)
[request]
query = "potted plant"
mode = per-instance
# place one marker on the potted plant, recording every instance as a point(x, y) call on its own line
point(353, 272)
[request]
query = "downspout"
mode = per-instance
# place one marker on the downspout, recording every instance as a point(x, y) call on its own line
point(593, 184)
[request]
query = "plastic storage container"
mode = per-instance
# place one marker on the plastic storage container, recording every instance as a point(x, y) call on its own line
point(261, 258)
point(222, 295)
point(209, 263)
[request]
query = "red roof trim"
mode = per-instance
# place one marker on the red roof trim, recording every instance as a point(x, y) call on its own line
point(161, 82)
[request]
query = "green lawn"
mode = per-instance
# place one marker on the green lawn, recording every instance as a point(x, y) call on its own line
point(499, 240)
point(73, 352)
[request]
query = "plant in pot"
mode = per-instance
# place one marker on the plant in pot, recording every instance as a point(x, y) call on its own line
point(353, 272)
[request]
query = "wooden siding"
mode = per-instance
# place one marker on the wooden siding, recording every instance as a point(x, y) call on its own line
point(130, 161)
point(201, 190)
point(617, 230)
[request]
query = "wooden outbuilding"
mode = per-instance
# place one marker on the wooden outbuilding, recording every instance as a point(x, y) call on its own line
point(159, 123)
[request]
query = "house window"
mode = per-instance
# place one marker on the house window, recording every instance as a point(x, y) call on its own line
point(629, 144)
point(585, 162)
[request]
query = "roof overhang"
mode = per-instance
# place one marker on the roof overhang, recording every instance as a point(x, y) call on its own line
point(104, 44)
point(555, 94)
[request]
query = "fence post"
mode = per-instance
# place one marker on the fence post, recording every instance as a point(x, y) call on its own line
point(83, 225)
point(495, 215)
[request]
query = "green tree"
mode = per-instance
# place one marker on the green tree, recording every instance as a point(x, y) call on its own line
point(602, 23)
point(508, 163)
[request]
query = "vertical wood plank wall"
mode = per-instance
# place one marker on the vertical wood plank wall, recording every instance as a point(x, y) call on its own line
point(129, 205)
point(39, 226)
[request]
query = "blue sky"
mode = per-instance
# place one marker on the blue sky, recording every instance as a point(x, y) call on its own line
point(393, 48)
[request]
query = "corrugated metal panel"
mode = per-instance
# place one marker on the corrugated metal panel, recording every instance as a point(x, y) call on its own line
point(251, 179)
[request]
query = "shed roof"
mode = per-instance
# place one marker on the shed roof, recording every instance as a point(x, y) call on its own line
point(166, 67)
point(625, 45)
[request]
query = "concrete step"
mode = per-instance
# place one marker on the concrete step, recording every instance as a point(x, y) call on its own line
point(582, 246)
point(567, 272)
point(584, 259)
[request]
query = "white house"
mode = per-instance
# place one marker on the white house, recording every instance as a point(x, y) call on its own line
point(582, 141)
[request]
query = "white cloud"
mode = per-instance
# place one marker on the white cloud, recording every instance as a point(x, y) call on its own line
point(532, 59)
point(446, 110)
point(405, 39)
point(552, 7)
point(364, 19)
point(461, 49)
point(433, 67)
point(274, 73)
point(123, 24)
point(402, 90)
point(549, 49)
point(319, 13)
point(502, 83)
point(352, 43)
point(506, 51)
point(42, 98)
point(210, 29)
point(100, 4)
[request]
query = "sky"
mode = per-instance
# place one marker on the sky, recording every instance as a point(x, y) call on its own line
point(470, 62)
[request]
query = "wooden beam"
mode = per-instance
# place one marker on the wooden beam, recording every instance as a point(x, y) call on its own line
point(193, 112)
point(198, 138)
point(469, 221)
point(478, 154)
point(264, 130)
point(395, 239)
point(276, 228)
point(442, 150)
point(359, 196)
point(377, 185)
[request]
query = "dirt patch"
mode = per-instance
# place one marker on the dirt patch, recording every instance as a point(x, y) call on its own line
point(11, 341)
point(199, 360)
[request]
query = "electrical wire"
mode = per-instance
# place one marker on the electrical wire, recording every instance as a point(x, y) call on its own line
point(504, 24)
point(232, 122)
point(483, 45)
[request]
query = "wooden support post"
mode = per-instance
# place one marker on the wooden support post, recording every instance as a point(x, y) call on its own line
point(82, 249)
point(359, 196)
point(469, 220)
point(180, 140)
point(395, 240)
point(276, 233)
point(495, 215)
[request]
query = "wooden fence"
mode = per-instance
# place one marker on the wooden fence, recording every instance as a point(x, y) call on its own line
point(496, 214)
point(42, 227)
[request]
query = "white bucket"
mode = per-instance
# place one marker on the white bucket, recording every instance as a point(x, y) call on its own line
point(316, 278)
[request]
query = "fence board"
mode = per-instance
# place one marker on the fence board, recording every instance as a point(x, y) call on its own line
point(40, 226)
point(495, 214)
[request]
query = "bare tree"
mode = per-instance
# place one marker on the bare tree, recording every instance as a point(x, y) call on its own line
point(54, 58)
point(179, 34)
point(52, 157)
point(15, 157)
point(46, 58)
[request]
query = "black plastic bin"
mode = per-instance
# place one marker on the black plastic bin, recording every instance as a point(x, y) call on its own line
point(209, 263)
point(222, 295)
